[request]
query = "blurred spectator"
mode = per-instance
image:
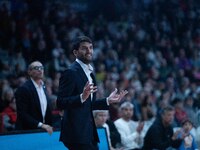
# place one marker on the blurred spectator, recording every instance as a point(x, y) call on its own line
point(9, 116)
point(101, 73)
point(100, 118)
point(7, 97)
point(18, 63)
point(147, 109)
point(57, 50)
point(131, 132)
point(160, 134)
point(189, 141)
point(190, 110)
point(180, 113)
point(60, 63)
point(198, 135)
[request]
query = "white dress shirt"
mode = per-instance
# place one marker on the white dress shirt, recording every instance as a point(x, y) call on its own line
point(42, 98)
point(88, 70)
point(129, 136)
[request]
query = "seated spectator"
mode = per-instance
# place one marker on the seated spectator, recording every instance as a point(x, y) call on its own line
point(131, 132)
point(191, 110)
point(180, 113)
point(100, 118)
point(7, 96)
point(147, 108)
point(189, 141)
point(160, 134)
point(9, 116)
point(198, 136)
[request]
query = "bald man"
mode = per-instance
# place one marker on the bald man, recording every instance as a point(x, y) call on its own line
point(33, 105)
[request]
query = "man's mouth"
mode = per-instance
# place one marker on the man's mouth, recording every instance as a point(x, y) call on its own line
point(89, 55)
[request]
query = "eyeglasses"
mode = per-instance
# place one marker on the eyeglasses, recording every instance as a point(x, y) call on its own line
point(37, 68)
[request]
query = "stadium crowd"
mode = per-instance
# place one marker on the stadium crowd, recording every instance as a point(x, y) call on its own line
point(152, 49)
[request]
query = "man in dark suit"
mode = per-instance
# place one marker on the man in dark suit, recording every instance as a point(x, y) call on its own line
point(33, 105)
point(160, 134)
point(77, 97)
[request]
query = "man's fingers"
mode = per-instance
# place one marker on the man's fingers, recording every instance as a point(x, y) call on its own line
point(89, 87)
point(87, 83)
point(93, 89)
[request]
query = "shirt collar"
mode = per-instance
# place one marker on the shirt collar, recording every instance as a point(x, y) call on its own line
point(36, 85)
point(86, 68)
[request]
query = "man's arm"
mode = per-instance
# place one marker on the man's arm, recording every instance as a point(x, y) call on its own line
point(67, 85)
point(22, 102)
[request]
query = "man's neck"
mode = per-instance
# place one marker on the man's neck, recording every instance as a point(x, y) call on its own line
point(126, 119)
point(39, 82)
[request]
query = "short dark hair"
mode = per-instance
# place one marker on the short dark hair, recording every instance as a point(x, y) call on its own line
point(76, 43)
point(167, 109)
point(187, 120)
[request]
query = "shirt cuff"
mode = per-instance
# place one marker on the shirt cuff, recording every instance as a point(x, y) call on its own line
point(107, 101)
point(40, 124)
point(82, 101)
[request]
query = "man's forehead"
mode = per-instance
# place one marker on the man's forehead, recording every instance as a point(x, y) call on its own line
point(170, 112)
point(127, 108)
point(36, 64)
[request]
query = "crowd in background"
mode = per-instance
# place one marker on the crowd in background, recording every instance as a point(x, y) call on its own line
point(152, 49)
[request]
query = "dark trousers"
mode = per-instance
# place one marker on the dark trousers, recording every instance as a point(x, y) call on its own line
point(78, 146)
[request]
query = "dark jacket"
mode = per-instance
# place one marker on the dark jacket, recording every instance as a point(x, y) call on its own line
point(29, 112)
point(159, 137)
point(77, 125)
point(114, 134)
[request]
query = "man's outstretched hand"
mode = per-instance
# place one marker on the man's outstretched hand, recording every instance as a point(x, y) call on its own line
point(115, 97)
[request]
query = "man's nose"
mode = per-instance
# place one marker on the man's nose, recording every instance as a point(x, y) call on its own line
point(89, 49)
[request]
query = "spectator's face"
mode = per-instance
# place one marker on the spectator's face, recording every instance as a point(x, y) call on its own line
point(101, 118)
point(189, 102)
point(85, 52)
point(127, 113)
point(179, 105)
point(36, 71)
point(9, 95)
point(168, 118)
point(187, 127)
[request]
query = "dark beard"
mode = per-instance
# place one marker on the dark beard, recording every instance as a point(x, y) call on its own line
point(85, 61)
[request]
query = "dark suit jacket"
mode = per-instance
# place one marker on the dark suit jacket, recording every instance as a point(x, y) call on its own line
point(160, 137)
point(29, 112)
point(78, 123)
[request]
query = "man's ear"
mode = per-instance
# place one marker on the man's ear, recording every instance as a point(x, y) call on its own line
point(75, 52)
point(29, 72)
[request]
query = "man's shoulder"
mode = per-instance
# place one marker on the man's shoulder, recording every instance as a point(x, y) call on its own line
point(69, 72)
point(118, 122)
point(25, 87)
point(28, 84)
point(73, 69)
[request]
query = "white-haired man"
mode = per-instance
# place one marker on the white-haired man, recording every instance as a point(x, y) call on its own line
point(131, 132)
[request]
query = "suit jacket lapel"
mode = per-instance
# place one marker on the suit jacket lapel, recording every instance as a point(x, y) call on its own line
point(36, 97)
point(83, 76)
point(81, 73)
